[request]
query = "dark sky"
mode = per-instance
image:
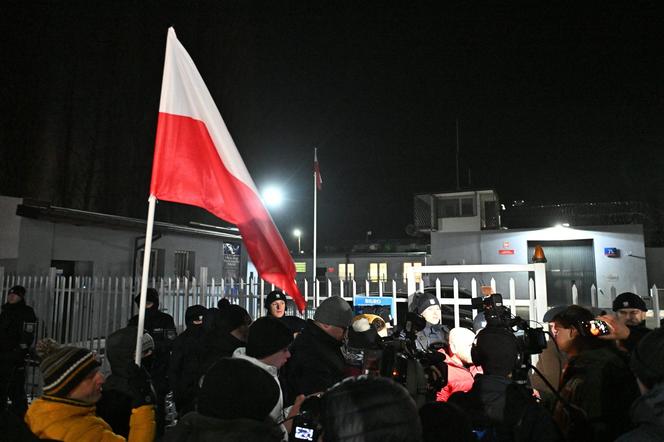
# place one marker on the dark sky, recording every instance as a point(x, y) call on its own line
point(556, 102)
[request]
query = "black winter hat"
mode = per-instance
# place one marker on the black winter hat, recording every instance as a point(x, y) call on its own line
point(294, 323)
point(274, 295)
point(422, 301)
point(629, 300)
point(152, 295)
point(235, 389)
point(496, 350)
point(17, 290)
point(267, 336)
point(647, 361)
point(232, 317)
point(194, 313)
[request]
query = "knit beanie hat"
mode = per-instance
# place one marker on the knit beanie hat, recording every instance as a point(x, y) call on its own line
point(236, 389)
point(267, 336)
point(152, 295)
point(629, 300)
point(334, 311)
point(274, 295)
point(17, 290)
point(647, 361)
point(231, 317)
point(294, 324)
point(496, 350)
point(63, 368)
point(422, 301)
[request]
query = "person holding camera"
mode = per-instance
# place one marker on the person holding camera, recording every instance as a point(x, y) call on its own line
point(597, 386)
point(500, 409)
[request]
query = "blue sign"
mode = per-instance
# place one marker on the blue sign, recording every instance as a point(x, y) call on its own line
point(383, 306)
point(611, 252)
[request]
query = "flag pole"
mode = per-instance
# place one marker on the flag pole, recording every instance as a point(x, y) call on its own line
point(144, 279)
point(313, 279)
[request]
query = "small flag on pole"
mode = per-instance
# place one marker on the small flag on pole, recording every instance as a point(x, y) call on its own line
point(196, 162)
point(319, 178)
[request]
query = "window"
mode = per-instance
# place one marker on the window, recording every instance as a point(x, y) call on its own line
point(346, 271)
point(455, 207)
point(377, 271)
point(407, 266)
point(184, 263)
point(157, 258)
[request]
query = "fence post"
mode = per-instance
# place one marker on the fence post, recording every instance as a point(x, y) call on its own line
point(575, 295)
point(203, 286)
point(2, 279)
point(655, 304)
point(593, 296)
point(540, 290)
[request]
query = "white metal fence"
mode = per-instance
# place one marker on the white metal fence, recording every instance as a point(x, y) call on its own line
point(84, 310)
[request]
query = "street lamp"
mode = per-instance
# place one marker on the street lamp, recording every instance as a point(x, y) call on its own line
point(273, 196)
point(298, 235)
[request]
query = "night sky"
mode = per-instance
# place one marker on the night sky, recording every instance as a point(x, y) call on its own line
point(556, 102)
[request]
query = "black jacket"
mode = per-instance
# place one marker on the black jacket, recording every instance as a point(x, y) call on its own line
point(195, 427)
point(218, 344)
point(186, 367)
point(14, 340)
point(161, 327)
point(316, 363)
point(500, 410)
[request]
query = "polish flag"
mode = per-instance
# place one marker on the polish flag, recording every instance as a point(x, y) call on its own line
point(196, 162)
point(319, 178)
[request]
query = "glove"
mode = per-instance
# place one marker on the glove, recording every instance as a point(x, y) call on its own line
point(141, 389)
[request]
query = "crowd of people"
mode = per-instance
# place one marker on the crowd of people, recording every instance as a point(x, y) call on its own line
point(280, 377)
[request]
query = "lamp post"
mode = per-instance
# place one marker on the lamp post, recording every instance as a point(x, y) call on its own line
point(298, 235)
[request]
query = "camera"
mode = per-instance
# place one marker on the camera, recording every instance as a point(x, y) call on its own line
point(594, 327)
point(306, 425)
point(530, 340)
point(422, 373)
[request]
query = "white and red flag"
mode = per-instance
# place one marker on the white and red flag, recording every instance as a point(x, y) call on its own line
point(196, 162)
point(319, 178)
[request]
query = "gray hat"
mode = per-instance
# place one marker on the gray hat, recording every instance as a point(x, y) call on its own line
point(334, 311)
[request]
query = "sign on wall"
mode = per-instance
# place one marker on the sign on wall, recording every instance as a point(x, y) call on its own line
point(231, 260)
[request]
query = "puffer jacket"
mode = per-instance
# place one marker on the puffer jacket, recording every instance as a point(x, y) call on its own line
point(195, 427)
point(648, 413)
point(73, 421)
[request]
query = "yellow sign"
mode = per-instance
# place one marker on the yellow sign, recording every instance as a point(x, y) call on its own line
point(301, 267)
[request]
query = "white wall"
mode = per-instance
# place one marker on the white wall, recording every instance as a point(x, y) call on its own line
point(626, 273)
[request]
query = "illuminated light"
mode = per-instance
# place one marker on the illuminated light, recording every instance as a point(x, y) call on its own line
point(538, 256)
point(273, 196)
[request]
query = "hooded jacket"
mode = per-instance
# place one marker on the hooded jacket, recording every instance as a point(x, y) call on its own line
point(195, 427)
point(116, 399)
point(73, 421)
point(316, 363)
point(277, 412)
point(648, 413)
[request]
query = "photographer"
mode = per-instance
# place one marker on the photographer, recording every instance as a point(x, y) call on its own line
point(500, 409)
point(597, 385)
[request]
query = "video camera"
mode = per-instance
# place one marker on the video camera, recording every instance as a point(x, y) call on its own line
point(423, 373)
point(530, 340)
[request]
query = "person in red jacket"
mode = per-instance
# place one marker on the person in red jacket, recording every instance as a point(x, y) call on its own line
point(460, 369)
